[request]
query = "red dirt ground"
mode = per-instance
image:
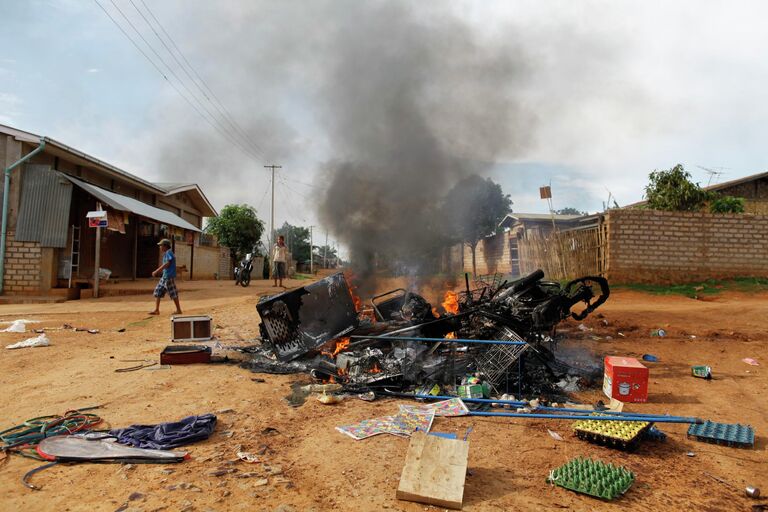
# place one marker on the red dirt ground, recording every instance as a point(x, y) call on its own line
point(309, 466)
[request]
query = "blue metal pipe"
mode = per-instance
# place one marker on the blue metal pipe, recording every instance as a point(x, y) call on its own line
point(518, 403)
point(441, 340)
point(6, 193)
point(661, 419)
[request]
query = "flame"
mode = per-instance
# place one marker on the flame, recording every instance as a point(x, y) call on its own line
point(451, 302)
point(435, 312)
point(375, 368)
point(450, 336)
point(341, 344)
point(355, 298)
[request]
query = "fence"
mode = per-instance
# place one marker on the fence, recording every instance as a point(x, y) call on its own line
point(565, 254)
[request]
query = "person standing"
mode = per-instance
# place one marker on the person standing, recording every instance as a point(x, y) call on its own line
point(167, 282)
point(279, 257)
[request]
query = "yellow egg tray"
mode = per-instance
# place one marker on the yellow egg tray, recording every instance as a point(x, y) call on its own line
point(618, 434)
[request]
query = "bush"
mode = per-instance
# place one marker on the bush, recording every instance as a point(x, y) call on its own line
point(727, 204)
point(673, 190)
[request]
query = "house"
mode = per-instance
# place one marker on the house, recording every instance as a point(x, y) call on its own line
point(48, 243)
point(754, 190)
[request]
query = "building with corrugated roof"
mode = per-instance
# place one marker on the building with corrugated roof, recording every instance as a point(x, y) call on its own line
point(49, 244)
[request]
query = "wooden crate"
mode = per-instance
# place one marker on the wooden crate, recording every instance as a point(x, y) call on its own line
point(191, 328)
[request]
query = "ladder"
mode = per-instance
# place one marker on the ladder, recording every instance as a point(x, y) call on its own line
point(74, 253)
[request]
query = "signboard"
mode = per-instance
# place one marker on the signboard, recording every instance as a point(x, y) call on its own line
point(545, 192)
point(97, 219)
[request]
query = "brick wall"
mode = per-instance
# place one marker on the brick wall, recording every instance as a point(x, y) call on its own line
point(492, 255)
point(674, 247)
point(22, 266)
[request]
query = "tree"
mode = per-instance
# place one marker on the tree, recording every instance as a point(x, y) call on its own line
point(727, 204)
point(673, 190)
point(569, 210)
point(473, 209)
point(297, 240)
point(327, 251)
point(237, 227)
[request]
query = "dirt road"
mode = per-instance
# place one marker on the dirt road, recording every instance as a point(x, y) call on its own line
point(307, 465)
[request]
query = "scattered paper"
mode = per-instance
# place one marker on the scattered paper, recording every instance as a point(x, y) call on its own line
point(451, 407)
point(751, 361)
point(405, 423)
point(39, 341)
point(16, 326)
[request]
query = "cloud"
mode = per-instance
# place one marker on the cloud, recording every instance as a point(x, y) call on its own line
point(92, 70)
point(9, 107)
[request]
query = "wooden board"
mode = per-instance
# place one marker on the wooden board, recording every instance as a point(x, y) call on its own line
point(434, 471)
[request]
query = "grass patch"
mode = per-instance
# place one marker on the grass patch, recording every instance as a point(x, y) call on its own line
point(303, 276)
point(708, 287)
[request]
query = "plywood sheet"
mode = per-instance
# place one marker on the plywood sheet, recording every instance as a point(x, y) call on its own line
point(434, 471)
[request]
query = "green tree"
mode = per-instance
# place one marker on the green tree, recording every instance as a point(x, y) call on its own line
point(569, 210)
point(473, 209)
point(297, 240)
point(237, 227)
point(727, 204)
point(328, 251)
point(673, 190)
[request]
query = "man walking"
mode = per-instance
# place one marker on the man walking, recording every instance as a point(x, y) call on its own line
point(167, 281)
point(279, 257)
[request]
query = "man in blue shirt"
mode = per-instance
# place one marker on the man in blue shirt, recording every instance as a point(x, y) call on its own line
point(167, 281)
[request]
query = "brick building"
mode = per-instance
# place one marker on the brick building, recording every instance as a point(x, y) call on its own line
point(754, 190)
point(49, 245)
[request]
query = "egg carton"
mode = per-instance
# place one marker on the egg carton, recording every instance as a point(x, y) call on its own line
point(615, 434)
point(729, 434)
point(592, 477)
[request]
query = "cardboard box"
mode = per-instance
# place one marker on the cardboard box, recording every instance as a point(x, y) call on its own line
point(625, 379)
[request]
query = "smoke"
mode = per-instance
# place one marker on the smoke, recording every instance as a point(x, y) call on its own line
point(413, 102)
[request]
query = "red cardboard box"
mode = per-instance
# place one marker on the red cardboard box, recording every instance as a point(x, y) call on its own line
point(626, 379)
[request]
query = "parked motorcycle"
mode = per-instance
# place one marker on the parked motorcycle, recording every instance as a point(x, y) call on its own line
point(243, 271)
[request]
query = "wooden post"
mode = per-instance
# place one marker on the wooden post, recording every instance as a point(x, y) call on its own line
point(96, 264)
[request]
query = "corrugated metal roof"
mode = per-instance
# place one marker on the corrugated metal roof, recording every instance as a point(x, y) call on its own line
point(129, 204)
point(44, 209)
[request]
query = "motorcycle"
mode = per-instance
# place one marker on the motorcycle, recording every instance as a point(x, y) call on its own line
point(243, 271)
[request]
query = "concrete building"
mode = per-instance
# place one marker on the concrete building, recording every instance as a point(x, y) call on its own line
point(50, 247)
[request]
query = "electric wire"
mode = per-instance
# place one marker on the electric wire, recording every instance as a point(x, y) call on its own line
point(233, 129)
point(163, 74)
point(227, 115)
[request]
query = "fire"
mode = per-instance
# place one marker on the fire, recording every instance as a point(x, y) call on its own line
point(450, 336)
point(451, 302)
point(375, 368)
point(341, 344)
point(435, 312)
point(355, 298)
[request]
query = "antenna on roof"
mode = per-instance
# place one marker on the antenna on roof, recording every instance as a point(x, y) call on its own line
point(713, 171)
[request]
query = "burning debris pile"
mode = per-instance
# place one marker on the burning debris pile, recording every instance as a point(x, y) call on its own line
point(481, 341)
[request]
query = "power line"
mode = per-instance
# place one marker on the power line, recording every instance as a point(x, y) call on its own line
point(162, 73)
point(221, 109)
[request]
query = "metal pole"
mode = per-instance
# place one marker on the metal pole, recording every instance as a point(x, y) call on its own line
point(439, 340)
point(272, 217)
point(98, 262)
point(311, 254)
point(325, 249)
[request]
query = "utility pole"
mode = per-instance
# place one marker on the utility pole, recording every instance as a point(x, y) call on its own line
point(272, 219)
point(311, 254)
point(325, 250)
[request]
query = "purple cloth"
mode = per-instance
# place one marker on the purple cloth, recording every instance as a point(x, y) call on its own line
point(165, 436)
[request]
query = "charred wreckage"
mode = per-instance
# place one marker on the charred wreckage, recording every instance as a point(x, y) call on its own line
point(500, 336)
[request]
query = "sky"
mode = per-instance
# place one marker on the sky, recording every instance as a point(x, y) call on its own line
point(602, 93)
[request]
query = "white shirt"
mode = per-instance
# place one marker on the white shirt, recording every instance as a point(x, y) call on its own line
point(279, 253)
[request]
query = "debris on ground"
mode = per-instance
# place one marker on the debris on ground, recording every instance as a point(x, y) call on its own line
point(38, 341)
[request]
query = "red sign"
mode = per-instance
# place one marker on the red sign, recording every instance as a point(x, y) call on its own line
point(96, 222)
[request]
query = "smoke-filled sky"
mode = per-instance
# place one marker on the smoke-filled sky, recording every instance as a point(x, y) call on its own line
point(589, 96)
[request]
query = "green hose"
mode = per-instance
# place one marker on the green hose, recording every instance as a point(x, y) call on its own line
point(23, 438)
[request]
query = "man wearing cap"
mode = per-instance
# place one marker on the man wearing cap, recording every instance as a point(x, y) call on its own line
point(167, 281)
